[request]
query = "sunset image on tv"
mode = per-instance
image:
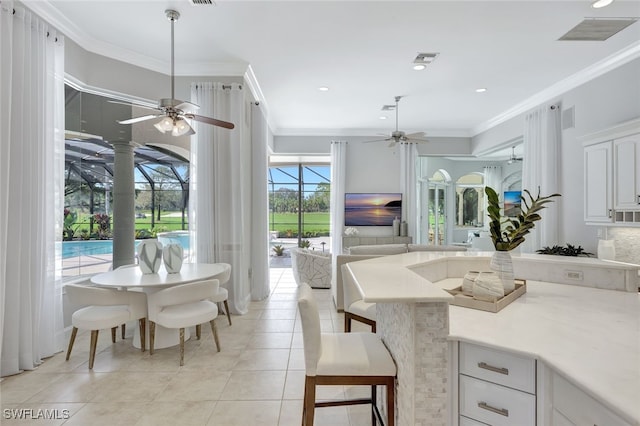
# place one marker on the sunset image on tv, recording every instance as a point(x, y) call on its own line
point(372, 209)
point(512, 203)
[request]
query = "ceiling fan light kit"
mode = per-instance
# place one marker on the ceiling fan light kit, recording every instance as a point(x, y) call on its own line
point(174, 112)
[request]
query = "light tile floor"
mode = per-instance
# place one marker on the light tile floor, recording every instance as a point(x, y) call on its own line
point(256, 379)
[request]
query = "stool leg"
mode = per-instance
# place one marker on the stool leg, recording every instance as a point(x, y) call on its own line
point(143, 337)
point(309, 400)
point(391, 415)
point(152, 336)
point(92, 348)
point(181, 346)
point(374, 401)
point(198, 331)
point(113, 334)
point(214, 330)
point(226, 308)
point(72, 339)
point(123, 328)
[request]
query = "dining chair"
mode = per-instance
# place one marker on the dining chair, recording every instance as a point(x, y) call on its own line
point(131, 265)
point(222, 295)
point(106, 308)
point(342, 359)
point(182, 306)
point(354, 307)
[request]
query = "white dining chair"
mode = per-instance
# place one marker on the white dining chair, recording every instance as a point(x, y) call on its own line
point(342, 359)
point(354, 307)
point(130, 265)
point(106, 308)
point(222, 295)
point(182, 306)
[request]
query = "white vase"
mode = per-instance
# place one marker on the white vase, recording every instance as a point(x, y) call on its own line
point(502, 264)
point(467, 282)
point(172, 254)
point(150, 256)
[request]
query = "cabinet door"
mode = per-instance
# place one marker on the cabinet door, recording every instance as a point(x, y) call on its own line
point(559, 420)
point(627, 173)
point(598, 183)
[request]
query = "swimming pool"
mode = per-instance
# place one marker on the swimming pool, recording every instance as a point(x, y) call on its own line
point(98, 247)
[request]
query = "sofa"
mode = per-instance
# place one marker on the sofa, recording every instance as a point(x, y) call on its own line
point(365, 252)
point(311, 267)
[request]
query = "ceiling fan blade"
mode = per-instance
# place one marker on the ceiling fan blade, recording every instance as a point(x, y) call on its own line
point(139, 119)
point(131, 104)
point(378, 140)
point(417, 135)
point(187, 106)
point(419, 140)
point(211, 121)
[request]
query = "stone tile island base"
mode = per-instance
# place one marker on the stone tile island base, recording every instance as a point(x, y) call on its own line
point(416, 335)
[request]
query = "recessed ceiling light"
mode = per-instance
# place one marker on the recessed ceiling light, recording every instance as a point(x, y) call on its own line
point(382, 117)
point(323, 89)
point(481, 90)
point(419, 67)
point(601, 3)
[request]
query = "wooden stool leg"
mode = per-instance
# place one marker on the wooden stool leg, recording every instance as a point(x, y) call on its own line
point(181, 346)
point(391, 415)
point(374, 401)
point(198, 331)
point(347, 322)
point(113, 334)
point(123, 328)
point(143, 337)
point(214, 330)
point(309, 400)
point(226, 308)
point(152, 336)
point(92, 348)
point(72, 339)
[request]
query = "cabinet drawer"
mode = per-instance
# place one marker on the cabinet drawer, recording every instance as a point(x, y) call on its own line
point(580, 408)
point(466, 421)
point(499, 367)
point(495, 404)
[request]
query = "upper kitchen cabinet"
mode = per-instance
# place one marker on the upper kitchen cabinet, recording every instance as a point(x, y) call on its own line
point(626, 154)
point(598, 183)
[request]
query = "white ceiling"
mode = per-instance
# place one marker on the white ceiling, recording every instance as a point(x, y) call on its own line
point(363, 51)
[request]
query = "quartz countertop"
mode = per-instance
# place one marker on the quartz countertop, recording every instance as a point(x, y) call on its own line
point(590, 336)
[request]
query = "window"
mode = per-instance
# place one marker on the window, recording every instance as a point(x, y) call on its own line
point(470, 200)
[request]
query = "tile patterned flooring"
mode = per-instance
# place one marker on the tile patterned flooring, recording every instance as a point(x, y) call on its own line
point(256, 379)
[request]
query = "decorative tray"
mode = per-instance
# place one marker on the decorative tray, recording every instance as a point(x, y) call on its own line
point(463, 300)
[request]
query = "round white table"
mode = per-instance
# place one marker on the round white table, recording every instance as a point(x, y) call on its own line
point(133, 277)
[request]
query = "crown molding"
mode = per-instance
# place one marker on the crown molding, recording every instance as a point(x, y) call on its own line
point(610, 63)
point(368, 133)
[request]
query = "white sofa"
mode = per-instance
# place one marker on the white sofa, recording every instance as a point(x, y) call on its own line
point(311, 267)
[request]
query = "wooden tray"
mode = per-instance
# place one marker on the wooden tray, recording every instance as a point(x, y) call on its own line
point(469, 302)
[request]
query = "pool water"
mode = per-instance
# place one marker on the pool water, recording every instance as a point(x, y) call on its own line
point(97, 247)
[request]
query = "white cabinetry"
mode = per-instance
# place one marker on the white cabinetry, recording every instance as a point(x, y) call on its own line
point(627, 173)
point(572, 406)
point(598, 183)
point(495, 387)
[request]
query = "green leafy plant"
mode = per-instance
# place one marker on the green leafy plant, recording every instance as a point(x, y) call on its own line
point(278, 250)
point(509, 233)
point(70, 219)
point(104, 225)
point(84, 234)
point(569, 250)
point(305, 244)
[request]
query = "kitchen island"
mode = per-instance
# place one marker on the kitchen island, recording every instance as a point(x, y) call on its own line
point(588, 336)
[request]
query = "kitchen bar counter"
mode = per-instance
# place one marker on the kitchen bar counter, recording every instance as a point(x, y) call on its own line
point(589, 335)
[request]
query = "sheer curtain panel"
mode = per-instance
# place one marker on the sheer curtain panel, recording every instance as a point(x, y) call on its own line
point(220, 192)
point(542, 136)
point(338, 171)
point(408, 184)
point(31, 188)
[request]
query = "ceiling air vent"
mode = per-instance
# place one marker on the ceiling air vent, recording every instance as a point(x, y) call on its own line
point(202, 2)
point(596, 29)
point(388, 107)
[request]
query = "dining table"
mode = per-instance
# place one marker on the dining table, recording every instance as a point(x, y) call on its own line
point(132, 278)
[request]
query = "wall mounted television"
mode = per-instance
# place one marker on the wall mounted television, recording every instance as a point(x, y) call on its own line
point(512, 203)
point(372, 209)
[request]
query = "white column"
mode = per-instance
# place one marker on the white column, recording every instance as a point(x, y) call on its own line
point(123, 205)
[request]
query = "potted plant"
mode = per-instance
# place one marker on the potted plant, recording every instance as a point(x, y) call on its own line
point(278, 250)
point(507, 233)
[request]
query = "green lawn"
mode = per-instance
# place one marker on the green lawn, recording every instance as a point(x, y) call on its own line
point(317, 222)
point(168, 222)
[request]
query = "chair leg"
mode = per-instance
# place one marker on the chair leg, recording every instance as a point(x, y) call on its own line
point(181, 347)
point(373, 327)
point(113, 334)
point(198, 331)
point(142, 323)
point(347, 322)
point(214, 330)
point(92, 348)
point(226, 308)
point(152, 336)
point(72, 339)
point(123, 327)
point(309, 404)
point(373, 405)
point(391, 415)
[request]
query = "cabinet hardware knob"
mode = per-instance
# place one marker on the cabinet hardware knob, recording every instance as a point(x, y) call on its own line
point(610, 213)
point(500, 370)
point(501, 411)
point(638, 198)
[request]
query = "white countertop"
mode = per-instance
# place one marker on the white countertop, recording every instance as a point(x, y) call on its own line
point(591, 336)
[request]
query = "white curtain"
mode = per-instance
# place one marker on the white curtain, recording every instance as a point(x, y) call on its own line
point(260, 287)
point(493, 179)
point(31, 188)
point(408, 185)
point(220, 188)
point(542, 137)
point(338, 171)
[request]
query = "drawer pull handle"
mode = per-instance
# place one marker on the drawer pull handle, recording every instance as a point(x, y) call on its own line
point(501, 411)
point(500, 370)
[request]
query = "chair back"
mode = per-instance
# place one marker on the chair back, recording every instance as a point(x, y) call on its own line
point(350, 291)
point(310, 328)
point(82, 295)
point(180, 294)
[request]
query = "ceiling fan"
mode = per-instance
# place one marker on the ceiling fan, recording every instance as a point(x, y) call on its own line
point(399, 135)
point(174, 111)
point(513, 157)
